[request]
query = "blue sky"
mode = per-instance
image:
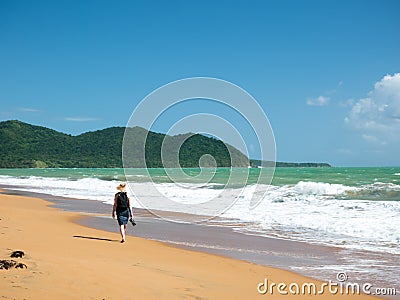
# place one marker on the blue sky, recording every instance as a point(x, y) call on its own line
point(326, 73)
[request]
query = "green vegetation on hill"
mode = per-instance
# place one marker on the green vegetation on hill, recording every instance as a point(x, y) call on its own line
point(28, 146)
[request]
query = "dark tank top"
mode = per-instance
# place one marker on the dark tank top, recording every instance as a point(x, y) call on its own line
point(122, 202)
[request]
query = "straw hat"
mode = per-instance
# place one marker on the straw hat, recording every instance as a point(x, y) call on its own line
point(121, 187)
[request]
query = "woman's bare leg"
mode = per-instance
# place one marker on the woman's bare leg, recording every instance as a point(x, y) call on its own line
point(122, 230)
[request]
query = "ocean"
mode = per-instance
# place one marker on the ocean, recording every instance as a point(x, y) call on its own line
point(353, 208)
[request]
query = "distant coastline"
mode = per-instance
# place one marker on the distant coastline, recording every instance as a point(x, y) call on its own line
point(279, 164)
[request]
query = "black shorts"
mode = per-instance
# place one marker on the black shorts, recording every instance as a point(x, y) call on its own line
point(123, 217)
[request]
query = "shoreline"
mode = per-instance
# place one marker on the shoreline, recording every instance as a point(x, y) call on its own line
point(225, 278)
point(210, 238)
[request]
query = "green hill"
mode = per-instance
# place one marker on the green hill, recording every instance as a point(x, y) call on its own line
point(26, 146)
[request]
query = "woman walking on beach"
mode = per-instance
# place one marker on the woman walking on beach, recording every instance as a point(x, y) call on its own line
point(122, 208)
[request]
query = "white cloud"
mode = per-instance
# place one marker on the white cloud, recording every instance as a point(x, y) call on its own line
point(347, 103)
point(80, 119)
point(320, 101)
point(373, 139)
point(378, 115)
point(28, 109)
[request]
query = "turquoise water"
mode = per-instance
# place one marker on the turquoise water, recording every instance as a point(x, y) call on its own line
point(282, 176)
point(339, 175)
point(383, 182)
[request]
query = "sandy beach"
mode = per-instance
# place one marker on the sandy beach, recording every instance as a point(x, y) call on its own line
point(66, 260)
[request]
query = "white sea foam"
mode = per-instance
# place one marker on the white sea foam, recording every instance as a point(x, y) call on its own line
point(320, 188)
point(313, 211)
point(85, 188)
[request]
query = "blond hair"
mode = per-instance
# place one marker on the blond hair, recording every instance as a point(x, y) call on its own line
point(121, 187)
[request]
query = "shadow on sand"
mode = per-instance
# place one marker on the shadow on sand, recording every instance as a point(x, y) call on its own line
point(94, 238)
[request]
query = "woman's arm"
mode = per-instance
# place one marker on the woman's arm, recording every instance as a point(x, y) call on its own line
point(114, 206)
